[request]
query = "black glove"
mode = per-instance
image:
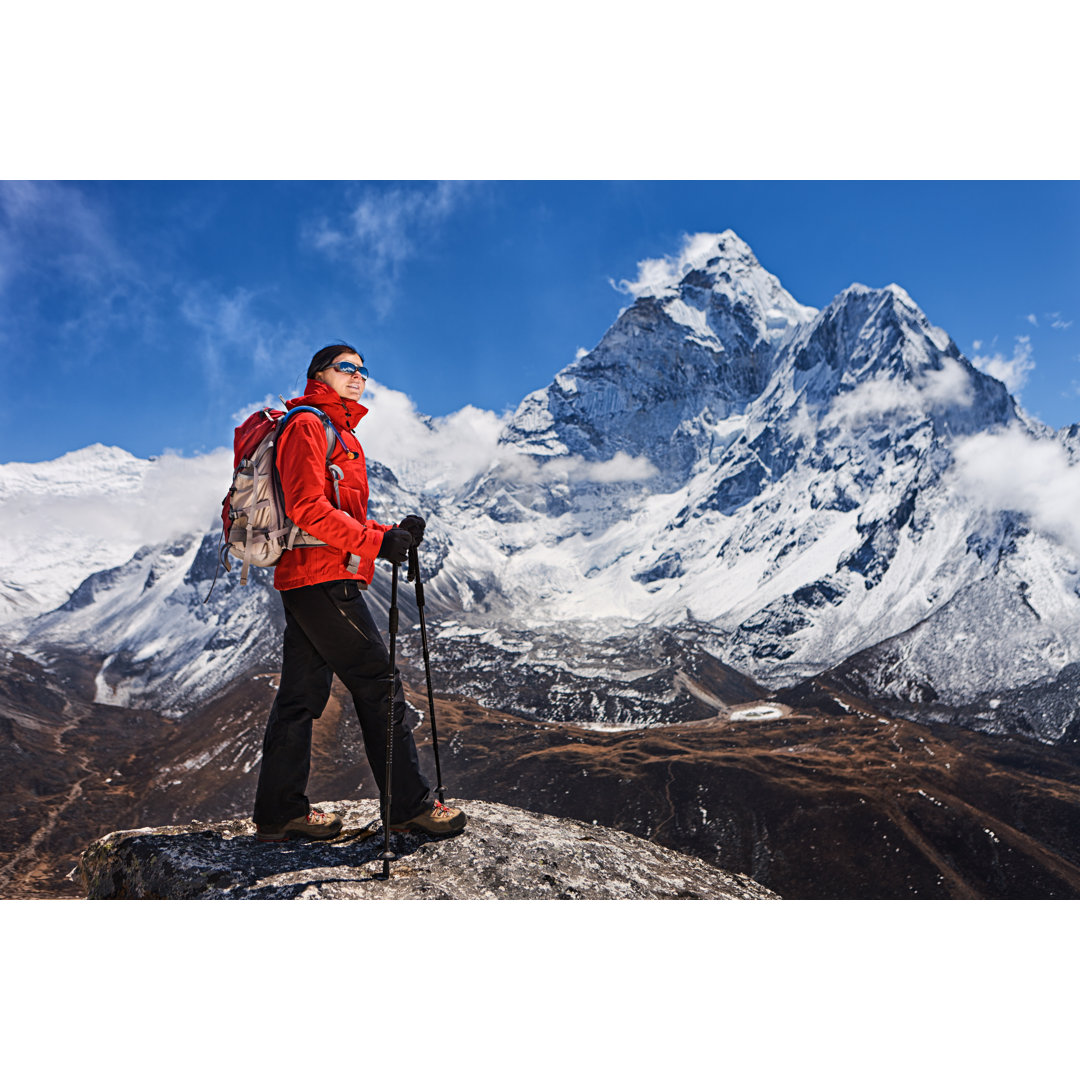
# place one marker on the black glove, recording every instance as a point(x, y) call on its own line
point(395, 545)
point(414, 524)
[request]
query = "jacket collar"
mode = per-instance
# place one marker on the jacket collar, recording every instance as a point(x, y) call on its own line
point(340, 410)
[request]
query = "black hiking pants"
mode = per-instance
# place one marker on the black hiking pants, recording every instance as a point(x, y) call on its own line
point(328, 631)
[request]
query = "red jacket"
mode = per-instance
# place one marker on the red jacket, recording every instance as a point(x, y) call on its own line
point(308, 489)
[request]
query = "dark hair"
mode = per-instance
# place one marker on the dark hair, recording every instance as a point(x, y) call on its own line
point(326, 356)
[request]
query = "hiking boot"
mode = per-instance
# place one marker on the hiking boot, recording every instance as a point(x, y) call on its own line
point(438, 820)
point(312, 826)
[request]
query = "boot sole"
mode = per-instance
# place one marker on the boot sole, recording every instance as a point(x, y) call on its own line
point(427, 832)
point(277, 838)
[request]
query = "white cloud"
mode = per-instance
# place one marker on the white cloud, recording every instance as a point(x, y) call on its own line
point(557, 470)
point(1014, 372)
point(131, 503)
point(932, 389)
point(621, 468)
point(245, 411)
point(385, 230)
point(658, 276)
point(451, 451)
point(800, 424)
point(876, 397)
point(1061, 324)
point(949, 385)
point(1034, 321)
point(92, 509)
point(581, 353)
point(180, 495)
point(976, 345)
point(1012, 471)
point(422, 452)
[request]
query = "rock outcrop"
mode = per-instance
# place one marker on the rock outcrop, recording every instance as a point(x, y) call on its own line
point(505, 854)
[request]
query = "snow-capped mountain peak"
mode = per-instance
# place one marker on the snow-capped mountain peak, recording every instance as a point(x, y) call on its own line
point(698, 344)
point(721, 263)
point(99, 467)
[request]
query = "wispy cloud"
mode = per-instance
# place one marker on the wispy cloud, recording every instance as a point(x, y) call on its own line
point(267, 401)
point(385, 230)
point(1057, 320)
point(1033, 320)
point(620, 469)
point(56, 239)
point(74, 229)
point(232, 333)
point(1012, 372)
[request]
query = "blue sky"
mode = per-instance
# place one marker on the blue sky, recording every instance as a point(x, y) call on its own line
point(145, 314)
point(151, 312)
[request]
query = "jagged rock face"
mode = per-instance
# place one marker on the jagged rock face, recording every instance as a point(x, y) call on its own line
point(997, 658)
point(504, 854)
point(618, 683)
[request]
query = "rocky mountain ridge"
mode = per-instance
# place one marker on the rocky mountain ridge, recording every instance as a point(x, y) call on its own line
point(779, 486)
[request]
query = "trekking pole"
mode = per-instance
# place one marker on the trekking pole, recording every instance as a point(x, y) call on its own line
point(387, 853)
point(414, 575)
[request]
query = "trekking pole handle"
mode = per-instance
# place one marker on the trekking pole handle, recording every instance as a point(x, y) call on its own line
point(414, 567)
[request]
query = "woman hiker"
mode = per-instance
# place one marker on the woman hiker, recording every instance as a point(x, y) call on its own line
point(328, 629)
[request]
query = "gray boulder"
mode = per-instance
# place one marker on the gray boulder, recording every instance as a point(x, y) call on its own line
point(504, 854)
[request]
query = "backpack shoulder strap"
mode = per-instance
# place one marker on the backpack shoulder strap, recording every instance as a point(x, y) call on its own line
point(333, 437)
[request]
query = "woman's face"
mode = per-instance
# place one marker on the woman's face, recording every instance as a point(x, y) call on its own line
point(349, 385)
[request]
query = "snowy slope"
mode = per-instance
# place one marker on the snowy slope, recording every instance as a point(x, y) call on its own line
point(90, 510)
point(811, 523)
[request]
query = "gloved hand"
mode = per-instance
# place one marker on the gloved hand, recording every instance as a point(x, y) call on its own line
point(395, 545)
point(414, 524)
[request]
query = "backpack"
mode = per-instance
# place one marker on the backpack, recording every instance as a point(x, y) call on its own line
point(255, 527)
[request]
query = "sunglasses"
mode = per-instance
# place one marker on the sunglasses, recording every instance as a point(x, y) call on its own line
point(346, 367)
